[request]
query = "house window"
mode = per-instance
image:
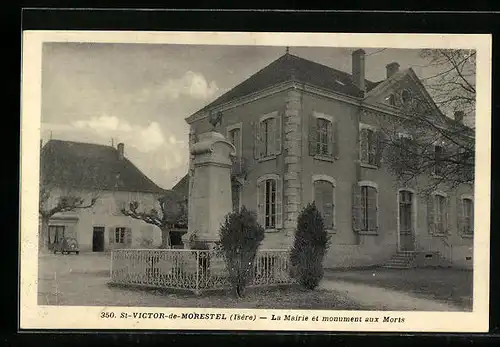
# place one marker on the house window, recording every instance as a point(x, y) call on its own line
point(369, 146)
point(392, 100)
point(468, 215)
point(56, 234)
point(120, 235)
point(234, 136)
point(438, 160)
point(369, 208)
point(406, 96)
point(323, 136)
point(440, 214)
point(268, 130)
point(269, 202)
point(407, 152)
point(324, 198)
point(268, 136)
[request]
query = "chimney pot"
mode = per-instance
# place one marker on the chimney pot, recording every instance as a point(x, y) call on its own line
point(392, 68)
point(121, 151)
point(459, 116)
point(358, 68)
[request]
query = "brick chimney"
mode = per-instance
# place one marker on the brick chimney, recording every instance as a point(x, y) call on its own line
point(358, 68)
point(459, 116)
point(392, 68)
point(121, 149)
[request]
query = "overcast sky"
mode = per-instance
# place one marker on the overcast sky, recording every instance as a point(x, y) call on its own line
point(140, 94)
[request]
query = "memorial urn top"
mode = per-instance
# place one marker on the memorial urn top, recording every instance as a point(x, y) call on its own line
point(209, 141)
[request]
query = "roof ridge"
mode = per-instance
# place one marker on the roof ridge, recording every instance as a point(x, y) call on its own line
point(80, 143)
point(93, 166)
point(289, 67)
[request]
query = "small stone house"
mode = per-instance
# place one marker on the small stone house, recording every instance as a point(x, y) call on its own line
point(306, 132)
point(90, 170)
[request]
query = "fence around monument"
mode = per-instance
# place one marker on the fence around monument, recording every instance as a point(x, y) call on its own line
point(193, 270)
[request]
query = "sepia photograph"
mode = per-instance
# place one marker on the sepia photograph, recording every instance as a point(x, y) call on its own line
point(219, 179)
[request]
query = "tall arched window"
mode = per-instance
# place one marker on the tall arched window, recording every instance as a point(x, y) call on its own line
point(323, 136)
point(437, 213)
point(324, 198)
point(268, 136)
point(465, 211)
point(365, 207)
point(269, 202)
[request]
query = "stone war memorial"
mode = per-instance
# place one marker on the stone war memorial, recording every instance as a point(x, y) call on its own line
point(199, 266)
point(209, 187)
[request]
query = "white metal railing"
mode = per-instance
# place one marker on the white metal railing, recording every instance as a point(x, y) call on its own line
point(194, 270)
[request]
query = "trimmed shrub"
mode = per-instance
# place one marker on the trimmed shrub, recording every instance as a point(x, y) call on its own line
point(309, 248)
point(240, 237)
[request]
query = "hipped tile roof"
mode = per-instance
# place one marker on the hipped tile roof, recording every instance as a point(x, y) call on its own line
point(91, 166)
point(293, 68)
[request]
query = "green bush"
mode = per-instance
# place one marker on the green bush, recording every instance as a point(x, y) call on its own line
point(309, 248)
point(240, 237)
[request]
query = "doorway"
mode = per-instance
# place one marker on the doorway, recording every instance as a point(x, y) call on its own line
point(406, 220)
point(236, 196)
point(98, 239)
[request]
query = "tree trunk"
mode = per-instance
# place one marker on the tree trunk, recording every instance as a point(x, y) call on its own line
point(43, 235)
point(165, 238)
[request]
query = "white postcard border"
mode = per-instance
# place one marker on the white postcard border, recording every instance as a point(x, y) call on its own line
point(33, 316)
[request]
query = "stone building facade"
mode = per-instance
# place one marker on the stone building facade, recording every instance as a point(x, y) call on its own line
point(89, 170)
point(305, 132)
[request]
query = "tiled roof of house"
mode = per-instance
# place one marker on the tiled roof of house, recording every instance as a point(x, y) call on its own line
point(182, 187)
point(91, 166)
point(290, 67)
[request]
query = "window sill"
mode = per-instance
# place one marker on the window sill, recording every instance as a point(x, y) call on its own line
point(324, 158)
point(441, 234)
point(368, 232)
point(467, 236)
point(369, 166)
point(270, 157)
point(331, 231)
point(272, 231)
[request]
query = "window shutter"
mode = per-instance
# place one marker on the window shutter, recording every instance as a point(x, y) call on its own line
point(279, 203)
point(363, 145)
point(460, 215)
point(256, 144)
point(278, 128)
point(313, 136)
point(472, 216)
point(128, 237)
point(111, 236)
point(379, 149)
point(356, 207)
point(335, 139)
point(430, 214)
point(372, 208)
point(334, 211)
point(261, 199)
point(447, 216)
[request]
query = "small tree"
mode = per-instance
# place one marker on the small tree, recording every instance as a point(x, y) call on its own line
point(172, 211)
point(309, 248)
point(240, 237)
point(50, 204)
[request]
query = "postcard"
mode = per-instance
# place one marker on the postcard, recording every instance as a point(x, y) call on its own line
point(255, 181)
